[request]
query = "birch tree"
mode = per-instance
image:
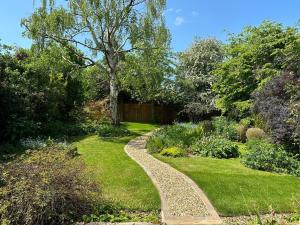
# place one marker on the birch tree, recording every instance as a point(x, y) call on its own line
point(101, 28)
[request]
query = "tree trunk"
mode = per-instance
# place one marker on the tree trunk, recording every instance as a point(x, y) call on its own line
point(114, 92)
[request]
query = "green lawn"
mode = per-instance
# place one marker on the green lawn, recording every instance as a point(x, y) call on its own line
point(121, 179)
point(236, 190)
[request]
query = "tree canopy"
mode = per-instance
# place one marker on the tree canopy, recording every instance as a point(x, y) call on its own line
point(195, 76)
point(253, 57)
point(104, 28)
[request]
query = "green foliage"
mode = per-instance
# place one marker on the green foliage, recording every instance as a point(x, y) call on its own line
point(241, 132)
point(177, 135)
point(114, 213)
point(207, 126)
point(108, 130)
point(149, 77)
point(213, 146)
point(173, 152)
point(45, 187)
point(263, 155)
point(247, 122)
point(37, 87)
point(255, 133)
point(253, 58)
point(194, 77)
point(225, 127)
point(133, 27)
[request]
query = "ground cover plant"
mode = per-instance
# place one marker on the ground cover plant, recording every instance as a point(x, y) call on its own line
point(266, 156)
point(46, 186)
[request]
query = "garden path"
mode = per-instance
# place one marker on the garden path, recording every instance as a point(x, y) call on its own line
point(183, 202)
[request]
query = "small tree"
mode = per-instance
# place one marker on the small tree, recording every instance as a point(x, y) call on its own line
point(195, 77)
point(107, 28)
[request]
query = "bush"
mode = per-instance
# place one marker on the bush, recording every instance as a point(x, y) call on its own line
point(255, 133)
point(241, 132)
point(217, 147)
point(224, 127)
point(98, 110)
point(108, 130)
point(173, 152)
point(45, 187)
point(178, 135)
point(207, 126)
point(246, 122)
point(277, 103)
point(265, 156)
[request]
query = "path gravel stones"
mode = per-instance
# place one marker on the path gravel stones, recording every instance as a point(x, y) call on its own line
point(183, 202)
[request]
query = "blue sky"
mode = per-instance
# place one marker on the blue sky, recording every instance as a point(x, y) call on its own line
point(185, 18)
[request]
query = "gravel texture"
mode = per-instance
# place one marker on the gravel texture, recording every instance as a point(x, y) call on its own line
point(179, 197)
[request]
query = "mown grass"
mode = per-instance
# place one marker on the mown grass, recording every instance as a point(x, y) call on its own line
point(122, 181)
point(234, 189)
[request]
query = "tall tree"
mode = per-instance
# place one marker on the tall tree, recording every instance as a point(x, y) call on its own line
point(253, 58)
point(108, 28)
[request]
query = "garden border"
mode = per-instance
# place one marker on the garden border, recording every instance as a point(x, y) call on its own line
point(172, 220)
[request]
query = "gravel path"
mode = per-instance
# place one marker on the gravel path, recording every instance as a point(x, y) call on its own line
point(183, 202)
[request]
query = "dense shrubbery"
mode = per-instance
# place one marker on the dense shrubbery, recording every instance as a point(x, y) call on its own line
point(177, 135)
point(101, 128)
point(218, 147)
point(278, 105)
point(224, 127)
point(37, 88)
point(108, 130)
point(266, 156)
point(45, 187)
point(193, 139)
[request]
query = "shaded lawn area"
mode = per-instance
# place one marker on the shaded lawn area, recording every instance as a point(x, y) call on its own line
point(121, 179)
point(234, 189)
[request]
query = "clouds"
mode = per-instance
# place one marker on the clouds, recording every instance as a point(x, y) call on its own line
point(195, 13)
point(178, 20)
point(177, 15)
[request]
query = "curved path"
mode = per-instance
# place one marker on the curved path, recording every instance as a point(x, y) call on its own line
point(183, 202)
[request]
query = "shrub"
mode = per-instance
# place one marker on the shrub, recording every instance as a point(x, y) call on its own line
point(45, 187)
point(217, 147)
point(224, 127)
point(173, 152)
point(98, 110)
point(104, 129)
point(179, 135)
point(207, 126)
point(277, 104)
point(255, 133)
point(108, 130)
point(266, 156)
point(246, 122)
point(241, 132)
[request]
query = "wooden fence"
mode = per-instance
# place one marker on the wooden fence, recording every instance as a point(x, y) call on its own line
point(147, 112)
